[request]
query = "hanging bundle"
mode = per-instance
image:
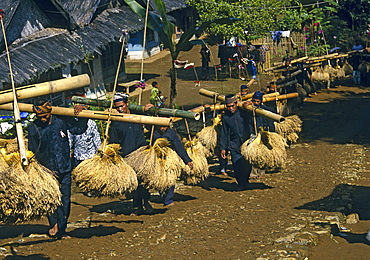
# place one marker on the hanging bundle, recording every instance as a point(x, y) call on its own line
point(26, 193)
point(200, 171)
point(290, 128)
point(208, 135)
point(319, 75)
point(158, 166)
point(347, 68)
point(266, 151)
point(105, 174)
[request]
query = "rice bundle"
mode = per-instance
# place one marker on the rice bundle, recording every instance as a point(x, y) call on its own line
point(340, 72)
point(266, 151)
point(348, 69)
point(158, 166)
point(289, 128)
point(12, 145)
point(320, 75)
point(106, 174)
point(200, 171)
point(202, 149)
point(208, 135)
point(29, 193)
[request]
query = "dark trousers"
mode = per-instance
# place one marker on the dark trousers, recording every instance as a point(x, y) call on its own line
point(140, 196)
point(242, 170)
point(168, 195)
point(223, 164)
point(61, 214)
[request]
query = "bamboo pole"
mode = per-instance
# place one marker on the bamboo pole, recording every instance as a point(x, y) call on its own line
point(220, 97)
point(46, 88)
point(100, 115)
point(140, 108)
point(259, 111)
point(17, 117)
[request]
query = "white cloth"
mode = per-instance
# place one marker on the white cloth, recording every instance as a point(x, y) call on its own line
point(285, 34)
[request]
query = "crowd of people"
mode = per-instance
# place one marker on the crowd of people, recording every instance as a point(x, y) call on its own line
point(61, 143)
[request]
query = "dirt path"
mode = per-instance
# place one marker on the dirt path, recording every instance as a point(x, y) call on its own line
point(293, 214)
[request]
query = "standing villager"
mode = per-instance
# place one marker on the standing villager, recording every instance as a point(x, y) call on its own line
point(130, 136)
point(205, 57)
point(256, 122)
point(84, 146)
point(48, 140)
point(252, 67)
point(175, 144)
point(234, 132)
point(244, 90)
point(154, 94)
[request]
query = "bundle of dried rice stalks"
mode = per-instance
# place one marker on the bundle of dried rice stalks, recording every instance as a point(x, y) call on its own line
point(200, 171)
point(197, 145)
point(320, 75)
point(290, 128)
point(29, 193)
point(106, 174)
point(158, 166)
point(208, 135)
point(266, 151)
point(11, 145)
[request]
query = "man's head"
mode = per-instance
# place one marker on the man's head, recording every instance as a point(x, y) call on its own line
point(42, 108)
point(231, 104)
point(161, 129)
point(272, 86)
point(244, 89)
point(257, 98)
point(155, 84)
point(121, 102)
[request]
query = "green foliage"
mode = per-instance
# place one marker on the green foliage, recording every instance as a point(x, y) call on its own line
point(256, 16)
point(317, 49)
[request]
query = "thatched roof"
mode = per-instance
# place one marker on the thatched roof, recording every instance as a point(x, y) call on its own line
point(51, 48)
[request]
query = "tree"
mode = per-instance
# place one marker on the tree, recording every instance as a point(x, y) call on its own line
point(165, 30)
point(256, 16)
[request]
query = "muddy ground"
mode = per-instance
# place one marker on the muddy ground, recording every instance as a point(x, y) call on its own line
point(298, 213)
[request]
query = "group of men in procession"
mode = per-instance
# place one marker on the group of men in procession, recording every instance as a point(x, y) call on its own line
point(51, 138)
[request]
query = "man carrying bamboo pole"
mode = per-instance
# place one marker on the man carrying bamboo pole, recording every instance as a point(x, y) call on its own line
point(234, 132)
point(130, 136)
point(48, 140)
point(256, 122)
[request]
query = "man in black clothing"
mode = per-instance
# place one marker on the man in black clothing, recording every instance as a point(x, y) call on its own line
point(234, 132)
point(131, 137)
point(48, 140)
point(175, 144)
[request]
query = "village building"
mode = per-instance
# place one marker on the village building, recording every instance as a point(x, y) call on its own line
point(50, 40)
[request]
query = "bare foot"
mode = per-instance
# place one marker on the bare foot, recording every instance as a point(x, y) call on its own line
point(137, 212)
point(171, 204)
point(65, 236)
point(54, 230)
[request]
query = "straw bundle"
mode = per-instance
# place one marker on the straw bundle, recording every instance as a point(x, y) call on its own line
point(202, 149)
point(200, 171)
point(266, 151)
point(11, 145)
point(158, 166)
point(290, 128)
point(320, 75)
point(348, 69)
point(106, 174)
point(208, 135)
point(27, 194)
